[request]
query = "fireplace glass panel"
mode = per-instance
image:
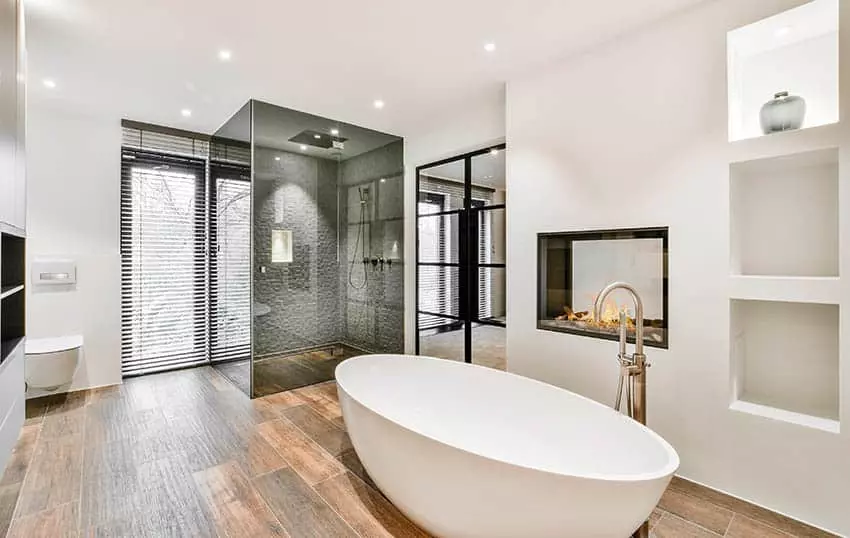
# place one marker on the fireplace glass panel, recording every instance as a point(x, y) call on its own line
point(575, 266)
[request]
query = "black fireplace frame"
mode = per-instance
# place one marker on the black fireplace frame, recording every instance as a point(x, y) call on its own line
point(661, 232)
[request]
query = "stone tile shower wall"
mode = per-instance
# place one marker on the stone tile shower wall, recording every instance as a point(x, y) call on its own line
point(373, 317)
point(297, 193)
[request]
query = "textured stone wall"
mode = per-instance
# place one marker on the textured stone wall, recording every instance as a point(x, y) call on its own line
point(297, 193)
point(374, 315)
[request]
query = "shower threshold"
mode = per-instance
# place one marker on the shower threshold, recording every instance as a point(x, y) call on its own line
point(280, 372)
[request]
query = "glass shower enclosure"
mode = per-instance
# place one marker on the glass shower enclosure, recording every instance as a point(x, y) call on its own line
point(307, 246)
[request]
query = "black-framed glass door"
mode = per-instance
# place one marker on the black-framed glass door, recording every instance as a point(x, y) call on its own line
point(460, 258)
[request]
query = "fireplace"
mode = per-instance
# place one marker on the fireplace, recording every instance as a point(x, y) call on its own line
point(575, 266)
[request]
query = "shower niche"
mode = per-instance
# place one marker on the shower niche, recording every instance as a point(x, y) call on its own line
point(325, 230)
point(573, 267)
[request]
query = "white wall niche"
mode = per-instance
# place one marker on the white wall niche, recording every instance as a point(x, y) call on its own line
point(795, 51)
point(784, 215)
point(785, 361)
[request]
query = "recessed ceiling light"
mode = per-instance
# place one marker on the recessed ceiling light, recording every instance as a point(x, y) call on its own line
point(383, 180)
point(379, 104)
point(317, 136)
point(494, 152)
point(277, 158)
point(225, 55)
point(49, 83)
point(490, 47)
point(303, 147)
point(335, 132)
point(185, 112)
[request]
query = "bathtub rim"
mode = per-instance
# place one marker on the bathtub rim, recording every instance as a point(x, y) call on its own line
point(667, 470)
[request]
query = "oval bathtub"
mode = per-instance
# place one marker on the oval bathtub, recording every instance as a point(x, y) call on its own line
point(466, 451)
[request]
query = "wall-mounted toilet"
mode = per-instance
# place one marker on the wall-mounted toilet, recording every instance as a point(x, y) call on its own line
point(51, 362)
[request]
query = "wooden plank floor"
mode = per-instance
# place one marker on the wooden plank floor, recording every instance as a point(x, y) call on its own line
point(187, 454)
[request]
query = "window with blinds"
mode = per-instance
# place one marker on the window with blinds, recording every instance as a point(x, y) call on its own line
point(230, 262)
point(185, 250)
point(163, 262)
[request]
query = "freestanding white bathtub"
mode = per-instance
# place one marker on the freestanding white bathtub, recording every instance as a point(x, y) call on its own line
point(466, 451)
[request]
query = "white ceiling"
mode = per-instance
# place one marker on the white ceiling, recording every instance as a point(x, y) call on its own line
point(148, 60)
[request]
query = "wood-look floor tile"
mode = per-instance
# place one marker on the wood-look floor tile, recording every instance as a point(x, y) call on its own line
point(352, 462)
point(704, 514)
point(256, 456)
point(366, 510)
point(54, 476)
point(670, 526)
point(317, 398)
point(655, 517)
point(108, 392)
point(236, 507)
point(58, 522)
point(161, 500)
point(324, 432)
point(21, 456)
point(62, 425)
point(69, 401)
point(8, 500)
point(35, 409)
point(744, 527)
point(299, 508)
point(752, 511)
point(306, 457)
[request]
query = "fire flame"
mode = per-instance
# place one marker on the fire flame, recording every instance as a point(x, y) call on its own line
point(609, 318)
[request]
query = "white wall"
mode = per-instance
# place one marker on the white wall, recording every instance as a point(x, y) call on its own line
point(634, 134)
point(74, 165)
point(474, 124)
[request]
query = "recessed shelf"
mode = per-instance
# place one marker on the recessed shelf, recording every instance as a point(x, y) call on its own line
point(814, 290)
point(784, 213)
point(814, 139)
point(765, 411)
point(786, 356)
point(795, 51)
point(8, 291)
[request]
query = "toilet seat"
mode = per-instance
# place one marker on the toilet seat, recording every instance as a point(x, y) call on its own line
point(43, 346)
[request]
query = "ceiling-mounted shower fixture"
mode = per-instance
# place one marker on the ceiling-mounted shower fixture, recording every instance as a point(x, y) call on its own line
point(318, 139)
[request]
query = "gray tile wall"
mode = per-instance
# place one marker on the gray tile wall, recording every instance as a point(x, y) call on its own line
point(297, 193)
point(311, 299)
point(374, 315)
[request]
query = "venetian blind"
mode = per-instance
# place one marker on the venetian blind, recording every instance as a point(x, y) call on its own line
point(163, 262)
point(230, 263)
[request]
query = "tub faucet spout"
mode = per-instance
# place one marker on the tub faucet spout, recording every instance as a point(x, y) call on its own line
point(632, 367)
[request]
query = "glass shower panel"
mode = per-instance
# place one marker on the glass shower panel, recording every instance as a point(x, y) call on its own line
point(230, 249)
point(327, 232)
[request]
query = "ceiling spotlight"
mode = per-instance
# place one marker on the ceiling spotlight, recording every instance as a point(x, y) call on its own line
point(303, 147)
point(225, 55)
point(494, 152)
point(49, 83)
point(277, 158)
point(378, 104)
point(383, 180)
point(490, 47)
point(185, 112)
point(317, 136)
point(335, 132)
